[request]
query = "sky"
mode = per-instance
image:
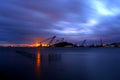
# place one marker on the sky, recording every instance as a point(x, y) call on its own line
point(27, 21)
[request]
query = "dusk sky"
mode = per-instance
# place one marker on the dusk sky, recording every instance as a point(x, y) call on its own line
point(25, 21)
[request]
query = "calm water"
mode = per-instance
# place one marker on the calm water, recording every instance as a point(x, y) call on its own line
point(60, 63)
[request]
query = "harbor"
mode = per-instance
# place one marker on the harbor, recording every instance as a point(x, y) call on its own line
point(61, 42)
point(59, 39)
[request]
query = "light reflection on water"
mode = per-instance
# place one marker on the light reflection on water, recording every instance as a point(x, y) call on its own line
point(61, 63)
point(45, 61)
point(38, 59)
point(38, 64)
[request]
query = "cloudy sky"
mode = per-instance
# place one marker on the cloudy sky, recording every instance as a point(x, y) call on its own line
point(25, 21)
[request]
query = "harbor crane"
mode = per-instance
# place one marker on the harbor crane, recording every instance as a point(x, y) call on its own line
point(82, 44)
point(101, 42)
point(58, 41)
point(51, 39)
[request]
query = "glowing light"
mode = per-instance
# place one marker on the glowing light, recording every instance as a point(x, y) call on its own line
point(38, 57)
point(37, 44)
point(38, 60)
point(38, 63)
point(44, 45)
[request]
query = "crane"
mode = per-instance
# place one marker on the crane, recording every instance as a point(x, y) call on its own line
point(58, 41)
point(82, 45)
point(50, 42)
point(101, 42)
point(62, 40)
point(52, 39)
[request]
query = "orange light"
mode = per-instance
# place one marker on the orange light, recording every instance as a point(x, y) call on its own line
point(37, 45)
point(38, 64)
point(38, 59)
point(44, 45)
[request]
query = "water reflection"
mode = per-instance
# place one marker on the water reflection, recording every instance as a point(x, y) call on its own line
point(54, 57)
point(38, 59)
point(60, 64)
point(26, 54)
point(43, 62)
point(38, 63)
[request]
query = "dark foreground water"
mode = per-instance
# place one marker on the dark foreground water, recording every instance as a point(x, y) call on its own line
point(60, 64)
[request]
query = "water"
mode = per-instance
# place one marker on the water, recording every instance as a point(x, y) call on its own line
point(60, 63)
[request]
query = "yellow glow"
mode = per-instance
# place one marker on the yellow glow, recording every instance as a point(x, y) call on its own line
point(44, 45)
point(37, 45)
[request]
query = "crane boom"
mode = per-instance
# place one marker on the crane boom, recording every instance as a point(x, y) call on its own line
point(82, 44)
point(52, 39)
point(62, 40)
point(50, 42)
point(101, 42)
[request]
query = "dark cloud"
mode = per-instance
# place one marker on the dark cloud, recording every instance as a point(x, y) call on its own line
point(22, 21)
